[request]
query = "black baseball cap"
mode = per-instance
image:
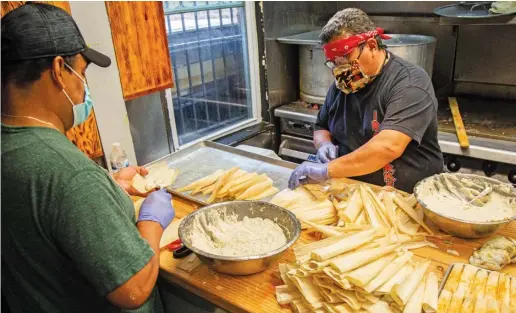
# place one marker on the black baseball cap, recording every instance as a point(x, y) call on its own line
point(39, 30)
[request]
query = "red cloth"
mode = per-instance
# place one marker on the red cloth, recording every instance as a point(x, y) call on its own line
point(342, 47)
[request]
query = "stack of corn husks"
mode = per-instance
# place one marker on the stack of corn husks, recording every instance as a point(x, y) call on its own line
point(368, 271)
point(364, 263)
point(233, 184)
point(306, 208)
point(330, 209)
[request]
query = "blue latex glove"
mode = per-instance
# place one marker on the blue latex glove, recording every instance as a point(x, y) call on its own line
point(308, 172)
point(327, 152)
point(157, 207)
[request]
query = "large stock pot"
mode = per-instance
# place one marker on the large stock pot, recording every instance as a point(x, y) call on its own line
point(316, 78)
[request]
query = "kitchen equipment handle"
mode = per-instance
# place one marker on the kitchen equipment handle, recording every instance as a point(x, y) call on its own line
point(174, 245)
point(181, 252)
point(475, 3)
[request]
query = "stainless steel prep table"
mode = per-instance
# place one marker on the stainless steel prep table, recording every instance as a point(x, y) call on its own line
point(204, 158)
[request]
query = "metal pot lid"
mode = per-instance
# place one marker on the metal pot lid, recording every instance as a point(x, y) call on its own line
point(469, 10)
point(312, 39)
point(407, 40)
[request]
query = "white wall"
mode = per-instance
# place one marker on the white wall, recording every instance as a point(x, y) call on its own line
point(104, 83)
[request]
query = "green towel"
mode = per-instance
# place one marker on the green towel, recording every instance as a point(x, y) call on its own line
point(503, 7)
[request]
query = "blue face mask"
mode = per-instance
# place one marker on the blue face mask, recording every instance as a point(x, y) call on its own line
point(82, 110)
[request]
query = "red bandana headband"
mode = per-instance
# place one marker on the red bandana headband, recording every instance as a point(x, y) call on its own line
point(342, 47)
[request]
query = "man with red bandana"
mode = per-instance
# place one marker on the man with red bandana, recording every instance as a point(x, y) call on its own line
point(379, 121)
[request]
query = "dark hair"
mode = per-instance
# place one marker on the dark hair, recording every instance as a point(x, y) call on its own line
point(351, 20)
point(24, 73)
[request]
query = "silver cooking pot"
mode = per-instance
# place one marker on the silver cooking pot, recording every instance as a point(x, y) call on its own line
point(316, 78)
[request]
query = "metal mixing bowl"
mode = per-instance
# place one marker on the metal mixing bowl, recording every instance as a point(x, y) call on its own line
point(458, 227)
point(249, 264)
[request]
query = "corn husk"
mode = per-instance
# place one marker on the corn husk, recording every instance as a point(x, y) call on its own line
point(412, 213)
point(266, 193)
point(351, 261)
point(388, 272)
point(371, 212)
point(363, 275)
point(256, 189)
point(415, 303)
point(402, 292)
point(430, 297)
point(346, 244)
point(286, 294)
point(203, 182)
point(323, 229)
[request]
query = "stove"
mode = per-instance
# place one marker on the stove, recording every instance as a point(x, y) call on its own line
point(297, 124)
point(491, 154)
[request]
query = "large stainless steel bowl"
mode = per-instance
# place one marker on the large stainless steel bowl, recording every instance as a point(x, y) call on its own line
point(249, 264)
point(458, 227)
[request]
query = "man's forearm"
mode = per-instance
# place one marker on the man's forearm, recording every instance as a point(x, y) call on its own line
point(365, 160)
point(134, 292)
point(152, 232)
point(320, 137)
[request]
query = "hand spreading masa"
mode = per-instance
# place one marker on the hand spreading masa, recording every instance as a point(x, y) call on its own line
point(222, 234)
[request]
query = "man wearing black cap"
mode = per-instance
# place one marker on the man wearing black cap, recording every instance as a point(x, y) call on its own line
point(69, 240)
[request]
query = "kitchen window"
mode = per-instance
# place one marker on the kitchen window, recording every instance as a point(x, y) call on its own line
point(213, 51)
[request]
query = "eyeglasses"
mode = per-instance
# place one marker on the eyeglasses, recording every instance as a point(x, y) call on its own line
point(331, 64)
point(342, 60)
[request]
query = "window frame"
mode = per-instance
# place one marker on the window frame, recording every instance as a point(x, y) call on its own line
point(254, 81)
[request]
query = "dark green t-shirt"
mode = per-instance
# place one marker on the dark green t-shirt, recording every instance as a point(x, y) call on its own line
point(68, 230)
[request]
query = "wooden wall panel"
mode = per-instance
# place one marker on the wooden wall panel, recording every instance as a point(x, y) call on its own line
point(85, 136)
point(141, 46)
point(8, 6)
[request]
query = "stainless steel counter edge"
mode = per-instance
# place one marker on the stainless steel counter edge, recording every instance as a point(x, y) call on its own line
point(480, 148)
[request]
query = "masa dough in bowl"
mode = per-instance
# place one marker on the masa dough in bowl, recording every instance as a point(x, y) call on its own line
point(223, 234)
point(457, 196)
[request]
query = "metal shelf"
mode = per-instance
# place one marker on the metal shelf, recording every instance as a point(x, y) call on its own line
point(308, 38)
point(480, 148)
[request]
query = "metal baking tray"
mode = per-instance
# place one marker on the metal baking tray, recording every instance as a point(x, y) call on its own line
point(448, 271)
point(204, 158)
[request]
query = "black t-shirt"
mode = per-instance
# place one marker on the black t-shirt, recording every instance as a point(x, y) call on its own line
point(401, 98)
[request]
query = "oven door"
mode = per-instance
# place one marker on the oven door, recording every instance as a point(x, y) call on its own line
point(297, 149)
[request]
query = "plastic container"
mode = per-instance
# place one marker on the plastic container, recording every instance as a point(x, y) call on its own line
point(118, 158)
